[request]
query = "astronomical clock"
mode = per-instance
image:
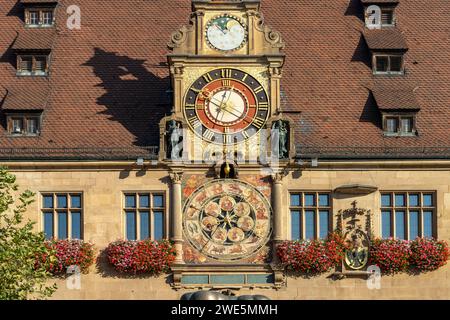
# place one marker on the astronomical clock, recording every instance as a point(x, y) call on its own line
point(225, 71)
point(227, 220)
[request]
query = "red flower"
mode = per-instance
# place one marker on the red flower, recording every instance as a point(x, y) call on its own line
point(153, 257)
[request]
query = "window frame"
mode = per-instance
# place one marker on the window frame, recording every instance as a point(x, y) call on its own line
point(25, 117)
point(375, 55)
point(151, 210)
point(40, 10)
point(33, 71)
point(394, 20)
point(303, 208)
point(407, 209)
point(69, 211)
point(399, 116)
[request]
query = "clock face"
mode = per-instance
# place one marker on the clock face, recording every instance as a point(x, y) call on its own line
point(226, 33)
point(227, 220)
point(226, 106)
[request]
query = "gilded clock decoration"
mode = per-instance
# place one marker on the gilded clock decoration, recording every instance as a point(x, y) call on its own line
point(221, 220)
point(226, 33)
point(226, 106)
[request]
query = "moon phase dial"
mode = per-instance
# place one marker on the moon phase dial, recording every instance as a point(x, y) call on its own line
point(226, 106)
point(227, 220)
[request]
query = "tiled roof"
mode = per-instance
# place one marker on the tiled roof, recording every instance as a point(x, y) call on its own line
point(395, 99)
point(385, 39)
point(38, 1)
point(35, 39)
point(109, 80)
point(380, 1)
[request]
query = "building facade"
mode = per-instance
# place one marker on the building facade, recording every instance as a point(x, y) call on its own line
point(228, 136)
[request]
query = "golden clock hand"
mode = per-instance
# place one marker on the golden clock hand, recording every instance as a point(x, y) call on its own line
point(234, 114)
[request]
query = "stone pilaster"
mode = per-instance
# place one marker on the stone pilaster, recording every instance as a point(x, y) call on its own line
point(277, 207)
point(176, 217)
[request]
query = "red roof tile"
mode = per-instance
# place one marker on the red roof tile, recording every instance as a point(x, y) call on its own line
point(385, 39)
point(35, 39)
point(380, 1)
point(38, 1)
point(395, 99)
point(32, 97)
point(108, 80)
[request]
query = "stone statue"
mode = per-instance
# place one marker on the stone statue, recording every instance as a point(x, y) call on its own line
point(174, 138)
point(283, 138)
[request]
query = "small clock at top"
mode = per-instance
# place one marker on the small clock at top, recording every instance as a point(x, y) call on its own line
point(226, 33)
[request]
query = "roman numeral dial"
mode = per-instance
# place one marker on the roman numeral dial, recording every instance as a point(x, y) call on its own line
point(226, 106)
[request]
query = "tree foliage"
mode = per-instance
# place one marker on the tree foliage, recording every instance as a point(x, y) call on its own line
point(20, 277)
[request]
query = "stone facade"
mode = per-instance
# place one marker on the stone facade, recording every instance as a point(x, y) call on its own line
point(104, 222)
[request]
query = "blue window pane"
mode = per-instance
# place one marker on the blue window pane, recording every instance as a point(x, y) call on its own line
point(76, 225)
point(310, 200)
point(145, 225)
point(131, 225)
point(61, 202)
point(428, 224)
point(144, 201)
point(413, 225)
point(309, 224)
point(399, 200)
point(295, 200)
point(130, 201)
point(48, 202)
point(386, 224)
point(427, 200)
point(76, 201)
point(413, 200)
point(386, 200)
point(323, 224)
point(295, 225)
point(400, 224)
point(48, 225)
point(158, 225)
point(62, 225)
point(324, 200)
point(158, 201)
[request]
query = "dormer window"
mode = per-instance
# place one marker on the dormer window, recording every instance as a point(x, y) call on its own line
point(32, 65)
point(384, 63)
point(20, 124)
point(39, 17)
point(387, 17)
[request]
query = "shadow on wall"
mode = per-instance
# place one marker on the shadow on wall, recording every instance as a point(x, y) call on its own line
point(134, 97)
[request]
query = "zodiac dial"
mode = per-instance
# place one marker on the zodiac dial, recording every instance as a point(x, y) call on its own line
point(226, 33)
point(226, 106)
point(227, 220)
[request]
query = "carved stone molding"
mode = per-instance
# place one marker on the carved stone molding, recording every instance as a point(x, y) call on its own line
point(273, 37)
point(277, 177)
point(275, 71)
point(178, 37)
point(177, 70)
